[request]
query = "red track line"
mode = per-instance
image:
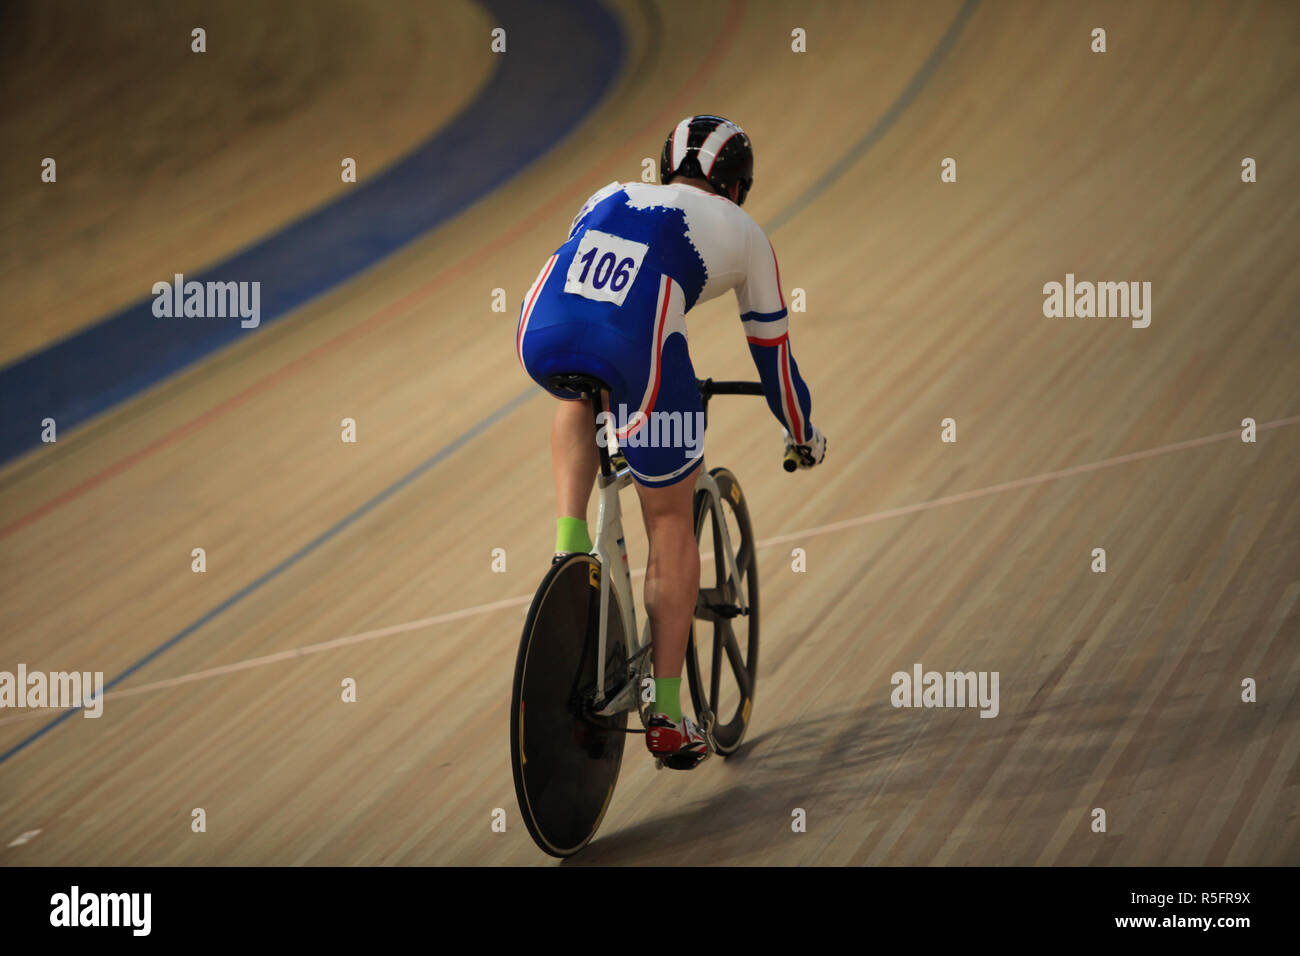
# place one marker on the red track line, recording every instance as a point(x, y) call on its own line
point(712, 61)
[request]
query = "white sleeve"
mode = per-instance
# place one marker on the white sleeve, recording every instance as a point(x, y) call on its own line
point(759, 295)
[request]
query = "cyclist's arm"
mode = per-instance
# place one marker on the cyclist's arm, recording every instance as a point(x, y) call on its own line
point(763, 312)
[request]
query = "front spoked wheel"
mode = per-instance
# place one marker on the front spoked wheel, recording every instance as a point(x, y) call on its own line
point(566, 759)
point(722, 654)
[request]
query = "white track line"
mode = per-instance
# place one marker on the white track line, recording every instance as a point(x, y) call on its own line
point(526, 599)
point(298, 652)
point(1019, 483)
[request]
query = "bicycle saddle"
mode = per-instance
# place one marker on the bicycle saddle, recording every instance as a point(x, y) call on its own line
point(577, 382)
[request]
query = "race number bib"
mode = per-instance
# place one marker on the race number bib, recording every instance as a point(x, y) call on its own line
point(604, 267)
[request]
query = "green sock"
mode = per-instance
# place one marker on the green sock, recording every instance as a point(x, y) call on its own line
point(571, 535)
point(668, 697)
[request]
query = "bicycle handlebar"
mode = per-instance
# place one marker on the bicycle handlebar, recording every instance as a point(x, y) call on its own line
point(709, 388)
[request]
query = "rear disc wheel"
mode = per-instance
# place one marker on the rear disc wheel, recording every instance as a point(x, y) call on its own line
point(565, 760)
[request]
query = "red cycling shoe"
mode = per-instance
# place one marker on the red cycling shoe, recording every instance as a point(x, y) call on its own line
point(681, 746)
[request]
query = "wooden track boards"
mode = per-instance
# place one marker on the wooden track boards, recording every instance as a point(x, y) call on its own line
point(1118, 690)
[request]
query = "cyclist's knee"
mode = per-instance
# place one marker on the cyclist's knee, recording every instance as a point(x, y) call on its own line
point(667, 509)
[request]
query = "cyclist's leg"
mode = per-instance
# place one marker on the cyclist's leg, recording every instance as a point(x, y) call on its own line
point(664, 453)
point(672, 578)
point(574, 458)
point(557, 342)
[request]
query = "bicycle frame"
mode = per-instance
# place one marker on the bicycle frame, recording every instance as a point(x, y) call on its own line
point(611, 549)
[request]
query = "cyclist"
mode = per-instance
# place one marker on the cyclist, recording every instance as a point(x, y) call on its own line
point(611, 303)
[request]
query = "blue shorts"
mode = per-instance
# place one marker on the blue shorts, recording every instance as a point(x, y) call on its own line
point(639, 349)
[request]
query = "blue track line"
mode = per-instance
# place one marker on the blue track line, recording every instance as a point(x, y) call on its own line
point(561, 60)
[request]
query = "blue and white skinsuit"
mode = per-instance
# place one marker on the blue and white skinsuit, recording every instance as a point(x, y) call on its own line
point(612, 303)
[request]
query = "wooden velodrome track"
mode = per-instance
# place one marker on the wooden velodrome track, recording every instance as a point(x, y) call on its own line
point(1119, 691)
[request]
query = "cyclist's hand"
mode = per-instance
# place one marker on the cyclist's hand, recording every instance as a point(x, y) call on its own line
point(806, 455)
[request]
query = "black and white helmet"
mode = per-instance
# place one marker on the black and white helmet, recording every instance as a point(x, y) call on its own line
point(712, 148)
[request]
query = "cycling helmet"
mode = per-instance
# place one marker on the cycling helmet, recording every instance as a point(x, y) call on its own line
point(711, 148)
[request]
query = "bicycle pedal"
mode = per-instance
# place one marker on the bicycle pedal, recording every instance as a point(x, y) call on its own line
point(683, 761)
